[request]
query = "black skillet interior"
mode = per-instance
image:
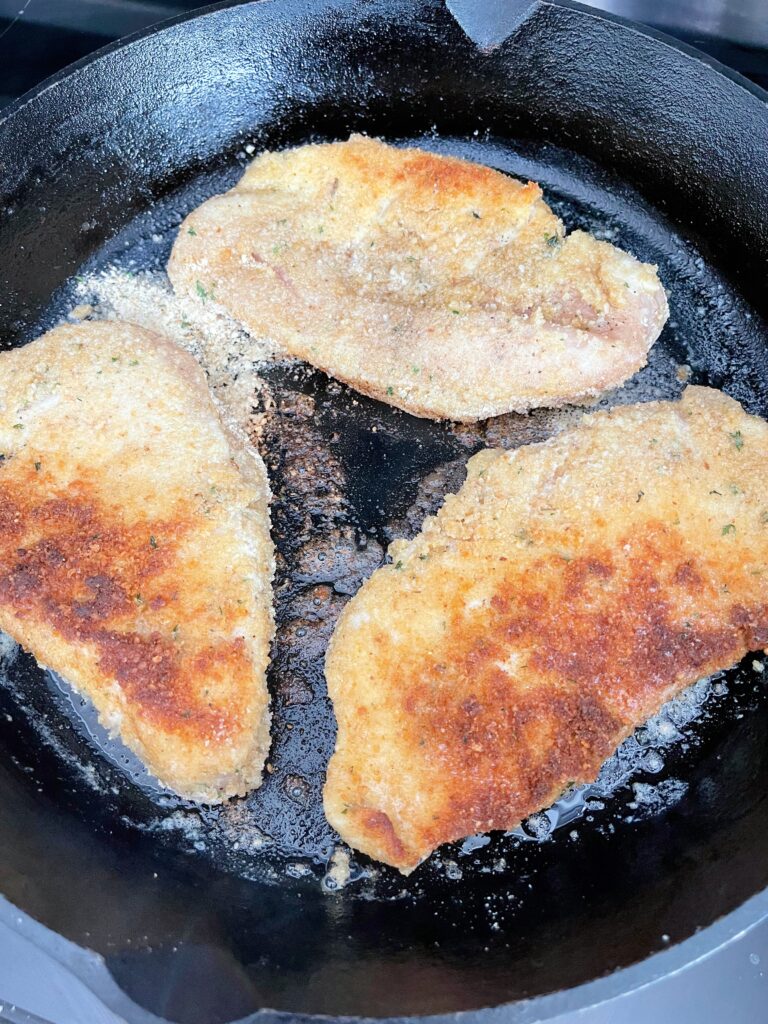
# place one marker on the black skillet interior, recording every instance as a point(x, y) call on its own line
point(205, 915)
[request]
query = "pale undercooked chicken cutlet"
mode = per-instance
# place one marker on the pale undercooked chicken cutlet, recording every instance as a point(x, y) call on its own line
point(440, 286)
point(552, 605)
point(135, 554)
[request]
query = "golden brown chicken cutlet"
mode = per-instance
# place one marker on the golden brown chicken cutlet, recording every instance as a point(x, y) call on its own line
point(135, 555)
point(440, 286)
point(556, 602)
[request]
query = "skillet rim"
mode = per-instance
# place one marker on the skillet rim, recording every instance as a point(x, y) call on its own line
point(664, 38)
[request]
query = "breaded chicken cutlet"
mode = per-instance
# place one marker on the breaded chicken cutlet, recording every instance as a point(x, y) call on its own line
point(554, 603)
point(135, 554)
point(442, 287)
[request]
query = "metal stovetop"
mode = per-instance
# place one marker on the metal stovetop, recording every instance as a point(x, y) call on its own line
point(37, 38)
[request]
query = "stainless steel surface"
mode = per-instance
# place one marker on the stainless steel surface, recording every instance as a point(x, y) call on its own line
point(110, 18)
point(738, 21)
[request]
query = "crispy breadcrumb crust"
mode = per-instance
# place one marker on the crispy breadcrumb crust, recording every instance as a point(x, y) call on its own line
point(437, 285)
point(557, 601)
point(135, 554)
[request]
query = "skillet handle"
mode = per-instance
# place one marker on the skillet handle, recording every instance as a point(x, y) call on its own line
point(489, 22)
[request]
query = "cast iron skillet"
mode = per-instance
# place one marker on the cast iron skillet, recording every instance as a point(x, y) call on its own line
point(207, 916)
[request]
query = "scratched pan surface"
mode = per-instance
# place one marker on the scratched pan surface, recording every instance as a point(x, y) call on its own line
point(207, 914)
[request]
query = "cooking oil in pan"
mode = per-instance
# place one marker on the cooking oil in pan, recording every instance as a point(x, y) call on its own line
point(349, 475)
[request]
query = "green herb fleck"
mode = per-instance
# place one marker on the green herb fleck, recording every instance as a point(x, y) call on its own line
point(476, 215)
point(423, 558)
point(764, 517)
point(138, 599)
point(184, 323)
point(415, 369)
point(639, 496)
point(282, 221)
point(456, 312)
point(718, 493)
point(390, 390)
point(115, 359)
point(18, 426)
point(737, 439)
point(204, 295)
point(38, 466)
point(398, 565)
point(728, 528)
point(134, 362)
point(552, 240)
point(320, 229)
point(734, 489)
point(191, 231)
point(153, 541)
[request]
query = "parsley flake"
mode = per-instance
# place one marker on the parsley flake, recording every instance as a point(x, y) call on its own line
point(728, 528)
point(737, 439)
point(153, 541)
point(191, 231)
point(390, 390)
point(38, 466)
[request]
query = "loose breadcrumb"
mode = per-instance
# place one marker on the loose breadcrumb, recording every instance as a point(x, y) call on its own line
point(231, 358)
